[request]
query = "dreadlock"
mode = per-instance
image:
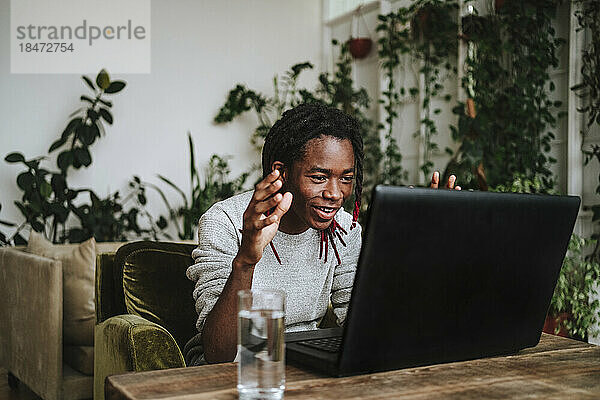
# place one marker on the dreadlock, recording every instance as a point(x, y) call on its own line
point(286, 142)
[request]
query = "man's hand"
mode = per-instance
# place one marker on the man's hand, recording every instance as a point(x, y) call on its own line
point(435, 180)
point(258, 227)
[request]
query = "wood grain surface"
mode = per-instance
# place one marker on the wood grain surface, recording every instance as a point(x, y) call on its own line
point(557, 368)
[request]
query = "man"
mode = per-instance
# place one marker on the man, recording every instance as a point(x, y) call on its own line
point(290, 233)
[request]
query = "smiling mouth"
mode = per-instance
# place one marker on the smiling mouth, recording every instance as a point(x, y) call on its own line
point(325, 212)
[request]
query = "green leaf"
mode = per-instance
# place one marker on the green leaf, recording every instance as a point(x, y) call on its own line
point(14, 158)
point(86, 98)
point(87, 135)
point(25, 181)
point(89, 82)
point(6, 223)
point(103, 80)
point(37, 226)
point(57, 144)
point(45, 189)
point(72, 125)
point(162, 222)
point(115, 87)
point(59, 184)
point(20, 240)
point(104, 113)
point(168, 182)
point(83, 156)
point(64, 160)
point(105, 102)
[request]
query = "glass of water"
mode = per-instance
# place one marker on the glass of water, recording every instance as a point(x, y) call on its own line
point(261, 346)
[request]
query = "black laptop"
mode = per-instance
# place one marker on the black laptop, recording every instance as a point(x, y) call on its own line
point(445, 276)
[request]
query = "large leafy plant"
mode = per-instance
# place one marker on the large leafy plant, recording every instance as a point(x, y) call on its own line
point(48, 200)
point(204, 192)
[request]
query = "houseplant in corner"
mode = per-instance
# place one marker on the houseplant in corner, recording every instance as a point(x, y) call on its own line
point(573, 312)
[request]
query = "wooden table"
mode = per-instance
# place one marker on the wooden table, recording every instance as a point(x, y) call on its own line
point(556, 368)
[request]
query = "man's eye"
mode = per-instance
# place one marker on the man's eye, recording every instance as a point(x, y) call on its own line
point(347, 178)
point(318, 178)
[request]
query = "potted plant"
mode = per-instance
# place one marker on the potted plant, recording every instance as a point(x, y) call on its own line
point(573, 312)
point(359, 44)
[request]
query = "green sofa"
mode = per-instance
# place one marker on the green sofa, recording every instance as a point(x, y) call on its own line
point(144, 309)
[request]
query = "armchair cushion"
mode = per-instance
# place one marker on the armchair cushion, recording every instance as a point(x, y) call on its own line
point(78, 270)
point(155, 287)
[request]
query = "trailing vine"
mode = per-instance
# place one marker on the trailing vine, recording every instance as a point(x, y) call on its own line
point(426, 31)
point(393, 43)
point(588, 18)
point(508, 130)
point(436, 43)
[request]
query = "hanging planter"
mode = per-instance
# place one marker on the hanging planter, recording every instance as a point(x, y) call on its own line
point(360, 47)
point(421, 21)
point(359, 44)
point(498, 4)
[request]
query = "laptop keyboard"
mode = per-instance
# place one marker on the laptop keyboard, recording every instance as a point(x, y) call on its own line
point(330, 344)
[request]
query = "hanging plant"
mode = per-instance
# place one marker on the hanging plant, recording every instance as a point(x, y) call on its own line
point(360, 43)
point(507, 79)
point(393, 44)
point(435, 45)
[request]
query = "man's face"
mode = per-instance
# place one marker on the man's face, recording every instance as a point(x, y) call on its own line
point(320, 183)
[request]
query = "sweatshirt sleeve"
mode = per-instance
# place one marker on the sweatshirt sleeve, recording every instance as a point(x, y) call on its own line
point(343, 276)
point(217, 247)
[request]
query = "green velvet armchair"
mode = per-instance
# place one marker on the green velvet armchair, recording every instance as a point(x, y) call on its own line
point(144, 309)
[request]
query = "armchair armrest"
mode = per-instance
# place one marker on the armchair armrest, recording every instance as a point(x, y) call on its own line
point(131, 343)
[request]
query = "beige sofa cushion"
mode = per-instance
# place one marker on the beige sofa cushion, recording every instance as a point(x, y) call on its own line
point(81, 358)
point(78, 267)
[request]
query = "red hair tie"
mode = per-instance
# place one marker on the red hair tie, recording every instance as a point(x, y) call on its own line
point(355, 214)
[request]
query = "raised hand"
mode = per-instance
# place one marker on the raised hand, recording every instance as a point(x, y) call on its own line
point(435, 180)
point(259, 228)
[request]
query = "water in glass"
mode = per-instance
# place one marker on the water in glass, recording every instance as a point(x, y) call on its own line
point(261, 348)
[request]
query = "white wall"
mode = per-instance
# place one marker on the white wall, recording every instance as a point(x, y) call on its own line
point(200, 50)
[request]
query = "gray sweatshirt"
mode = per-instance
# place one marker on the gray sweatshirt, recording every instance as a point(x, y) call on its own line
point(309, 282)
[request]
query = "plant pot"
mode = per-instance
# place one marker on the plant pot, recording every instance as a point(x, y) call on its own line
point(471, 112)
point(552, 322)
point(360, 47)
point(420, 21)
point(498, 4)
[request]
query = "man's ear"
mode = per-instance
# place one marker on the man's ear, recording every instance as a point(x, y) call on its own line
point(282, 169)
